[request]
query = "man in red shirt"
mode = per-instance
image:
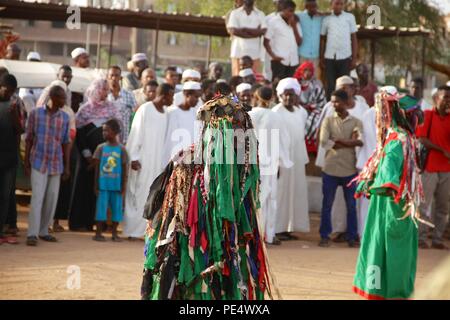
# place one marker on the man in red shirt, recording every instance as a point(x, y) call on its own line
point(434, 134)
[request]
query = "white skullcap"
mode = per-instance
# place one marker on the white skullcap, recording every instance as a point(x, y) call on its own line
point(77, 52)
point(192, 85)
point(221, 81)
point(139, 57)
point(340, 82)
point(59, 83)
point(191, 73)
point(448, 84)
point(287, 84)
point(243, 87)
point(245, 72)
point(33, 55)
point(389, 89)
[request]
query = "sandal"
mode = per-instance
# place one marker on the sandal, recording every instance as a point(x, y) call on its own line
point(99, 238)
point(10, 240)
point(32, 241)
point(48, 238)
point(58, 228)
point(116, 238)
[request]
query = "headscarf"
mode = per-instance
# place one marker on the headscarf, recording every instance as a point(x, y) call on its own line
point(287, 84)
point(300, 72)
point(95, 110)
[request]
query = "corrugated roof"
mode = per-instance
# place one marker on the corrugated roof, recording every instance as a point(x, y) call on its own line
point(177, 22)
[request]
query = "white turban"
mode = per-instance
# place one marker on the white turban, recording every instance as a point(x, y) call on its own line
point(245, 73)
point(287, 84)
point(139, 57)
point(389, 89)
point(191, 73)
point(191, 85)
point(33, 55)
point(243, 87)
point(342, 81)
point(77, 52)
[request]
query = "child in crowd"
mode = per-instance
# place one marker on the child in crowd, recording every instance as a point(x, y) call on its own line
point(110, 179)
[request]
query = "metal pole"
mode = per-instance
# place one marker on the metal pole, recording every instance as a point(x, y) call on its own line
point(424, 48)
point(372, 49)
point(99, 46)
point(208, 53)
point(155, 47)
point(111, 38)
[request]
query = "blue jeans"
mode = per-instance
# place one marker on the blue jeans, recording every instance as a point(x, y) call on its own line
point(329, 187)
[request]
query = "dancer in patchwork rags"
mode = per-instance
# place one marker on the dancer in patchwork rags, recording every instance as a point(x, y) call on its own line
point(203, 239)
point(386, 266)
point(110, 179)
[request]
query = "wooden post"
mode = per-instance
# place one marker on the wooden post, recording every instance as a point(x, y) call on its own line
point(424, 48)
point(99, 46)
point(208, 52)
point(155, 47)
point(111, 38)
point(373, 52)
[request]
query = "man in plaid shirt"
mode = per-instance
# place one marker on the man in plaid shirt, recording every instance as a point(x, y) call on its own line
point(47, 143)
point(123, 99)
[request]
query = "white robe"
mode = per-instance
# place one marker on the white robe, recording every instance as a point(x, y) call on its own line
point(145, 144)
point(339, 210)
point(272, 153)
point(369, 147)
point(183, 129)
point(292, 197)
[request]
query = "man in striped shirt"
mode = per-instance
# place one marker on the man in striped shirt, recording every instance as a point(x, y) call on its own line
point(47, 143)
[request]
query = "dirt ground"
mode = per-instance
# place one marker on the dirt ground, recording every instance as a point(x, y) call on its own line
point(113, 270)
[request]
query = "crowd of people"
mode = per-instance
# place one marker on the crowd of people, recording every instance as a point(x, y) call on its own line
point(92, 156)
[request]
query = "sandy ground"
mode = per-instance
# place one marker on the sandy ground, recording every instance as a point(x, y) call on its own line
point(113, 270)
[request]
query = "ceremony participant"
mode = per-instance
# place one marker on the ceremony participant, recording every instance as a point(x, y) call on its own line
point(416, 88)
point(387, 261)
point(246, 25)
point(367, 87)
point(248, 76)
point(273, 153)
point(145, 148)
point(147, 76)
point(215, 71)
point(13, 51)
point(339, 135)
point(80, 58)
point(149, 93)
point(89, 120)
point(244, 93)
point(181, 126)
point(133, 80)
point(188, 75)
point(435, 136)
point(47, 157)
point(312, 99)
point(111, 166)
point(338, 44)
point(281, 41)
point(30, 96)
point(292, 195)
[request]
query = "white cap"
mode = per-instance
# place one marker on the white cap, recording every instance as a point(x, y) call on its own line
point(221, 81)
point(139, 57)
point(192, 85)
point(191, 73)
point(448, 84)
point(245, 72)
point(243, 87)
point(389, 90)
point(33, 55)
point(59, 83)
point(179, 70)
point(287, 84)
point(340, 82)
point(77, 52)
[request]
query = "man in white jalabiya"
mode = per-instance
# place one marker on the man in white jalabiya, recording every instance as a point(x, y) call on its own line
point(182, 127)
point(292, 198)
point(357, 109)
point(187, 76)
point(145, 146)
point(273, 153)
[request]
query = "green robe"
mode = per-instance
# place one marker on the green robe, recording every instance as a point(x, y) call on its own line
point(386, 266)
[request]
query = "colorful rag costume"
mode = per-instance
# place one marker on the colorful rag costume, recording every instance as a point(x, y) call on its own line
point(386, 265)
point(203, 239)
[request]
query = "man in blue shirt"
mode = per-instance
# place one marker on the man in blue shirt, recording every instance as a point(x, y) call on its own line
point(311, 24)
